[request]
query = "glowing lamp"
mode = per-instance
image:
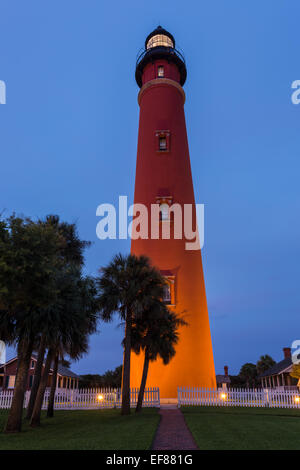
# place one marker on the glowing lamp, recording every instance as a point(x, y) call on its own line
point(100, 397)
point(297, 399)
point(223, 396)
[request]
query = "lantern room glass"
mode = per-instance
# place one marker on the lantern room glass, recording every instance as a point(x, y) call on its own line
point(159, 40)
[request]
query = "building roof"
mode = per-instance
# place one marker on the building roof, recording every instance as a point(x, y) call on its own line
point(64, 371)
point(278, 368)
point(223, 379)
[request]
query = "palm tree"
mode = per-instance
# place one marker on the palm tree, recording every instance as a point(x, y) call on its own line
point(156, 333)
point(264, 363)
point(71, 253)
point(32, 256)
point(28, 263)
point(37, 375)
point(127, 287)
point(36, 414)
point(50, 410)
point(70, 322)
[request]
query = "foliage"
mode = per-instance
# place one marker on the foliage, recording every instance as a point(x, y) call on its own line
point(295, 372)
point(264, 363)
point(111, 378)
point(156, 333)
point(29, 263)
point(43, 294)
point(248, 373)
point(128, 286)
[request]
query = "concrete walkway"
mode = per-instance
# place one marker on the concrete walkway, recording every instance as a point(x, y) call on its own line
point(172, 432)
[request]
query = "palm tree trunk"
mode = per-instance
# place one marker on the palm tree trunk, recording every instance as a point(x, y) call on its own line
point(14, 421)
point(50, 410)
point(37, 376)
point(143, 382)
point(36, 414)
point(126, 367)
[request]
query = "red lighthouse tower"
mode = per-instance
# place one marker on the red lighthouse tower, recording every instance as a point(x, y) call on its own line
point(163, 176)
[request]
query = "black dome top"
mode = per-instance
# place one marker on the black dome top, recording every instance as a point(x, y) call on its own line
point(159, 30)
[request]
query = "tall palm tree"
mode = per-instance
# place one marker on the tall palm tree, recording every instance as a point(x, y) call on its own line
point(28, 263)
point(156, 333)
point(71, 250)
point(70, 322)
point(37, 375)
point(50, 409)
point(127, 286)
point(36, 414)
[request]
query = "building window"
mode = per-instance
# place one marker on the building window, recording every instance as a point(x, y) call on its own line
point(32, 365)
point(30, 381)
point(11, 381)
point(160, 71)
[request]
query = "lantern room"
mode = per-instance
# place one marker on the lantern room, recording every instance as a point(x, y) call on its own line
point(160, 59)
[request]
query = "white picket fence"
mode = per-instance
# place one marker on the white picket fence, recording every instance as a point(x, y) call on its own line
point(91, 398)
point(239, 397)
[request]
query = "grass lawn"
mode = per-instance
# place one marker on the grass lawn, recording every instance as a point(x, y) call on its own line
point(243, 428)
point(87, 429)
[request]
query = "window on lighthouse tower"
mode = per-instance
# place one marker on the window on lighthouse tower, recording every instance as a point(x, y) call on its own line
point(167, 294)
point(162, 143)
point(160, 71)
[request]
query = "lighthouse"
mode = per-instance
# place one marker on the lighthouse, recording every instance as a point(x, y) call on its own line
point(164, 179)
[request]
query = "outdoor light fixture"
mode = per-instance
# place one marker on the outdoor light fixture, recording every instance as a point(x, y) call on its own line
point(100, 397)
point(297, 399)
point(223, 396)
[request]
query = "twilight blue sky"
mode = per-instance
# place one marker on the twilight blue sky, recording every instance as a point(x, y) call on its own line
point(68, 136)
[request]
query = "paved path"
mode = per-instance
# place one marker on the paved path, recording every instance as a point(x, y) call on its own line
point(173, 433)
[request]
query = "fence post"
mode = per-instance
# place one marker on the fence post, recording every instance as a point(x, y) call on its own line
point(266, 398)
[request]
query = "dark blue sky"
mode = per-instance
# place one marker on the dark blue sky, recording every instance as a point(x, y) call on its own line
point(68, 136)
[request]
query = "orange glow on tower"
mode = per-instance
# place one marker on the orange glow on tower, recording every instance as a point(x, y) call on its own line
point(163, 176)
